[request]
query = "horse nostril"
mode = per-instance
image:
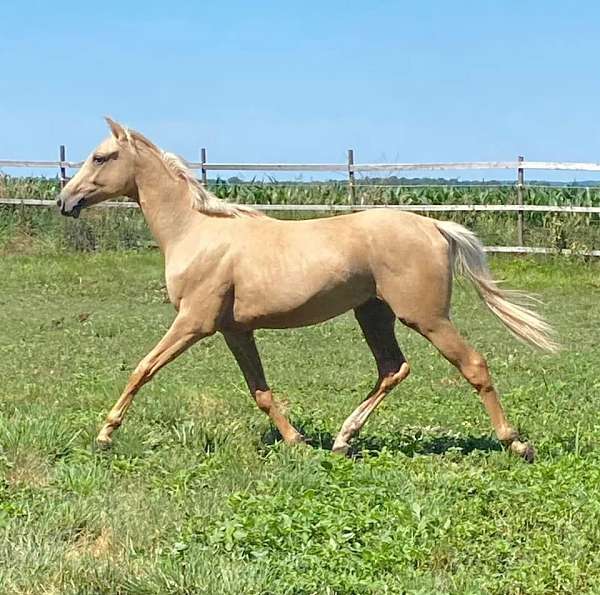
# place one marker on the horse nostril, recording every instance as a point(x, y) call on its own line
point(58, 202)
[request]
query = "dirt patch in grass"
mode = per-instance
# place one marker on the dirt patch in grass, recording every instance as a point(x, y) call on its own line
point(97, 546)
point(20, 243)
point(29, 471)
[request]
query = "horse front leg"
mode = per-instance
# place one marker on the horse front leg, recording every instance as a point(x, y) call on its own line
point(183, 333)
point(244, 349)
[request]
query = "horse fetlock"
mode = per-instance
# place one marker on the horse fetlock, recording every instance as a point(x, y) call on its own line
point(513, 443)
point(340, 447)
point(112, 423)
point(507, 436)
point(296, 438)
point(264, 400)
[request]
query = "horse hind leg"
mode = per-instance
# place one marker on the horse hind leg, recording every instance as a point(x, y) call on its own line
point(472, 365)
point(376, 320)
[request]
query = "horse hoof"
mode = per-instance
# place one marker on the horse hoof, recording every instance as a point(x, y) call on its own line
point(341, 449)
point(524, 450)
point(103, 443)
point(529, 454)
point(298, 440)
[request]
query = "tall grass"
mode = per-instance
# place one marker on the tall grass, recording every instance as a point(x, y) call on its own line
point(101, 229)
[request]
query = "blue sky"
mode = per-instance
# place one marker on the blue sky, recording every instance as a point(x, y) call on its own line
point(304, 81)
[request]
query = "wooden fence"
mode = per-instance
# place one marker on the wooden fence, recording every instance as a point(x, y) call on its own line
point(519, 166)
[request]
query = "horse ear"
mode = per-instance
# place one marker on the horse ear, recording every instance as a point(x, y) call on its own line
point(116, 129)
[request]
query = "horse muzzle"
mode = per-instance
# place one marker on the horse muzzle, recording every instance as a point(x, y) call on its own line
point(71, 207)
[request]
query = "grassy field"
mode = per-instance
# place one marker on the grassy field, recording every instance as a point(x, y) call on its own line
point(197, 494)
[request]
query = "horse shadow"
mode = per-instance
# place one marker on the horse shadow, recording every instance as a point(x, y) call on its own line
point(410, 441)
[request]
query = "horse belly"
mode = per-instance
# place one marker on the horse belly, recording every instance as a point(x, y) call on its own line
point(295, 304)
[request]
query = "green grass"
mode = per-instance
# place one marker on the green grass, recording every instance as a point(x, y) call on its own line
point(198, 496)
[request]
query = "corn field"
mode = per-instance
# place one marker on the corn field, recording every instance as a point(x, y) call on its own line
point(22, 227)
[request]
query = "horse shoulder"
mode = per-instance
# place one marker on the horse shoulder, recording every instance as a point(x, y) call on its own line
point(199, 274)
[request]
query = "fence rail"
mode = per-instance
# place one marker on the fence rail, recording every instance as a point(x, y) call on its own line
point(520, 165)
point(343, 167)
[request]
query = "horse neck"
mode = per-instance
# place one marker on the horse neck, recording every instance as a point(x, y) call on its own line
point(165, 202)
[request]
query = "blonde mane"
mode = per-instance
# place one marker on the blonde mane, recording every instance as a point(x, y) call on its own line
point(201, 199)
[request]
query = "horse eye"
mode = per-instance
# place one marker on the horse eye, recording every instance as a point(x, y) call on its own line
point(98, 159)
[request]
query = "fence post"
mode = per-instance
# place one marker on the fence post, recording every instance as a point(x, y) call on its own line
point(351, 181)
point(63, 169)
point(203, 160)
point(520, 186)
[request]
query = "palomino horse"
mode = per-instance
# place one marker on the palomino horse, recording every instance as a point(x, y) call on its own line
point(230, 269)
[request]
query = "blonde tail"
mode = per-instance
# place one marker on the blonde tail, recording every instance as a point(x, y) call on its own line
point(469, 259)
